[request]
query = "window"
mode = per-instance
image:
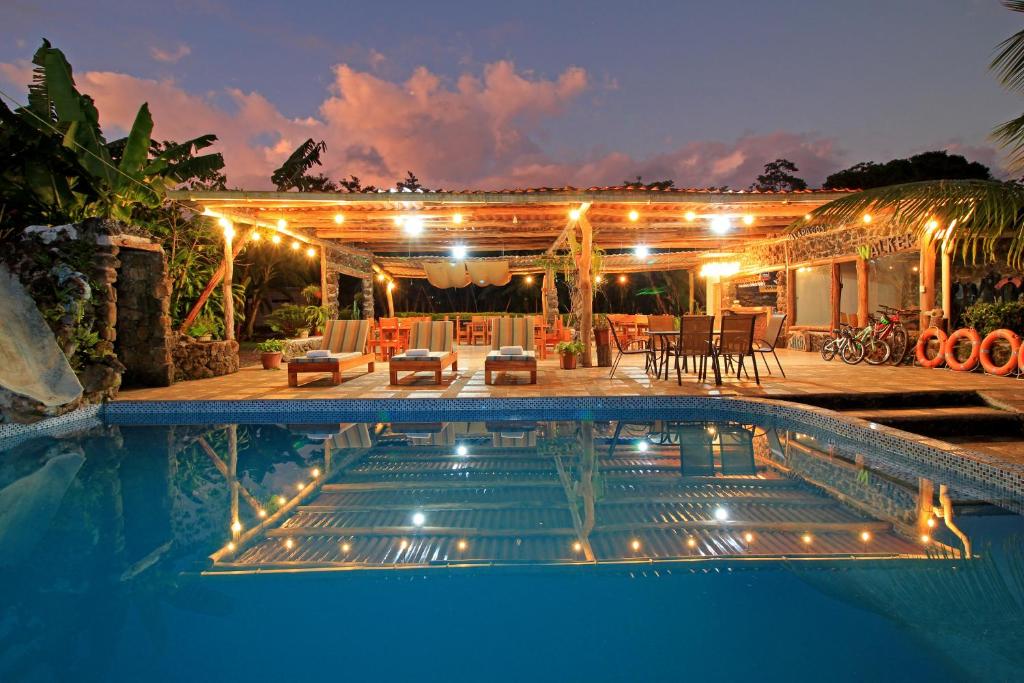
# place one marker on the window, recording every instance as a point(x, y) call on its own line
point(893, 281)
point(848, 294)
point(814, 296)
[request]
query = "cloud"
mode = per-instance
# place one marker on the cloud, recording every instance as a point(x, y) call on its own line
point(483, 129)
point(170, 56)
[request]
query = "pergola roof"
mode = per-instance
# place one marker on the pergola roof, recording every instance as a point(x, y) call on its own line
point(516, 223)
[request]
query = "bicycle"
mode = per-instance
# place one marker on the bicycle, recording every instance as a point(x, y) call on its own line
point(845, 345)
point(876, 350)
point(890, 327)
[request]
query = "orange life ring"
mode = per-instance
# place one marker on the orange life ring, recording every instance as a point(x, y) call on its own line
point(986, 349)
point(950, 349)
point(920, 351)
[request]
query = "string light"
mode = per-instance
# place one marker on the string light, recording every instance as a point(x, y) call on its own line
point(231, 546)
point(295, 245)
point(459, 252)
point(236, 526)
point(255, 236)
point(577, 546)
point(623, 279)
point(345, 547)
point(311, 252)
point(262, 513)
point(867, 218)
point(641, 251)
point(931, 522)
point(281, 224)
point(721, 514)
point(642, 446)
point(807, 539)
point(691, 542)
point(403, 544)
point(925, 538)
point(339, 218)
point(807, 216)
point(299, 486)
point(574, 214)
point(276, 239)
point(462, 544)
point(598, 279)
point(748, 537)
point(391, 285)
point(748, 220)
point(457, 219)
point(528, 279)
point(635, 545)
point(865, 536)
point(413, 226)
point(289, 543)
point(720, 225)
point(381, 277)
point(281, 500)
point(315, 472)
point(634, 216)
point(461, 450)
point(419, 519)
point(690, 216)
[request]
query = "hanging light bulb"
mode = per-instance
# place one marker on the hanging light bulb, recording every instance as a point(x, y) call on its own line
point(720, 225)
point(634, 216)
point(457, 219)
point(311, 252)
point(867, 218)
point(623, 279)
point(276, 239)
point(255, 236)
point(295, 245)
point(281, 224)
point(399, 220)
point(690, 216)
point(339, 218)
point(528, 279)
point(574, 214)
point(748, 220)
point(459, 252)
point(413, 226)
point(641, 251)
point(381, 277)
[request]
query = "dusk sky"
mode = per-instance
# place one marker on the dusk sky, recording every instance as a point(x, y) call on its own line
point(487, 95)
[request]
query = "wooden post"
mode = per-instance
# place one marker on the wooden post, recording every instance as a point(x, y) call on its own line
point(692, 294)
point(391, 301)
point(863, 274)
point(947, 284)
point(324, 295)
point(233, 477)
point(229, 297)
point(836, 292)
point(367, 283)
point(926, 278)
point(544, 297)
point(208, 290)
point(791, 295)
point(586, 288)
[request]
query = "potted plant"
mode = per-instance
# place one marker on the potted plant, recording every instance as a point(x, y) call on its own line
point(270, 353)
point(603, 340)
point(567, 352)
point(202, 330)
point(291, 320)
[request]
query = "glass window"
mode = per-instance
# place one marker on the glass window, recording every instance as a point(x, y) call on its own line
point(893, 281)
point(814, 296)
point(848, 294)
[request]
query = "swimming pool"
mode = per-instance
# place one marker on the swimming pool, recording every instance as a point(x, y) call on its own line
point(520, 540)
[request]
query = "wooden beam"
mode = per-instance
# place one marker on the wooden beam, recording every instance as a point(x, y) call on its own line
point(227, 285)
point(569, 225)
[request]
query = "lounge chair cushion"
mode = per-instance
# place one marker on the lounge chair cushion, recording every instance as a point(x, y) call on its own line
point(318, 353)
point(435, 355)
point(417, 352)
point(511, 350)
point(499, 356)
point(321, 359)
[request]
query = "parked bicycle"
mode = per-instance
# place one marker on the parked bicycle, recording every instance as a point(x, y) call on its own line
point(891, 329)
point(845, 345)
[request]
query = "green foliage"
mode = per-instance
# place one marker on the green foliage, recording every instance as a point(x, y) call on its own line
point(638, 183)
point(204, 325)
point(778, 177)
point(988, 317)
point(938, 165)
point(317, 315)
point(290, 319)
point(293, 174)
point(311, 293)
point(270, 346)
point(574, 347)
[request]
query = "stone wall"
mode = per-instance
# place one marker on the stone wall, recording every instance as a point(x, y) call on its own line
point(368, 312)
point(143, 319)
point(200, 360)
point(334, 263)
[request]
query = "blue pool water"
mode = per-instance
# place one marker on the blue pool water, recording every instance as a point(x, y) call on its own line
point(625, 546)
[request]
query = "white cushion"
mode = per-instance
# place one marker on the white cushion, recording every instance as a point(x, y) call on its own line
point(329, 356)
point(511, 350)
point(318, 353)
point(435, 355)
point(498, 355)
point(417, 352)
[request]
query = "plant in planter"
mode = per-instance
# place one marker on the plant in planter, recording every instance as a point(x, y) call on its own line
point(567, 352)
point(318, 317)
point(291, 320)
point(270, 353)
point(202, 330)
point(311, 293)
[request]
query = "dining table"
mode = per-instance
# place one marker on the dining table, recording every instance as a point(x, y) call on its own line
point(659, 342)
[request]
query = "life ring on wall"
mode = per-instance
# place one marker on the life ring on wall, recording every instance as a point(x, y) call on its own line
point(921, 350)
point(950, 349)
point(986, 350)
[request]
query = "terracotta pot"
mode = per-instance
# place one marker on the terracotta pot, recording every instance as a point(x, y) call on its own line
point(271, 360)
point(567, 361)
point(603, 337)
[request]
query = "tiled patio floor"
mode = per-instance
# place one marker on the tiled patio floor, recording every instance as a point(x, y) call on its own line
point(806, 374)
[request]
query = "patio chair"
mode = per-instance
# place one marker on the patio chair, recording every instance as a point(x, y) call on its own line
point(345, 345)
point(628, 350)
point(696, 454)
point(737, 342)
point(437, 340)
point(736, 449)
point(696, 334)
point(771, 338)
point(659, 323)
point(506, 333)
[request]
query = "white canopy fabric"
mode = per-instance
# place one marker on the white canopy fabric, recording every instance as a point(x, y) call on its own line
point(446, 274)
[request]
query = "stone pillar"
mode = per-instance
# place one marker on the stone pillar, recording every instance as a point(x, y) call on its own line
point(550, 296)
point(329, 272)
point(368, 297)
point(143, 322)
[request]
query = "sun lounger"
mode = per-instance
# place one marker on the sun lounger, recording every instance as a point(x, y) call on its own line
point(345, 346)
point(438, 338)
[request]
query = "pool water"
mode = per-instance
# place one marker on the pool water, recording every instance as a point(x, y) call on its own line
point(582, 547)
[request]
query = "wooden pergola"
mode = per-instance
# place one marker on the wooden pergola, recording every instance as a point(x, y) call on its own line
point(390, 234)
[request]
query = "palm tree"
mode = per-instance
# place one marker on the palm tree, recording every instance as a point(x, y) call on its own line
point(975, 215)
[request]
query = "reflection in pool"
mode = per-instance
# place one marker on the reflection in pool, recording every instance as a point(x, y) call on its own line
point(551, 549)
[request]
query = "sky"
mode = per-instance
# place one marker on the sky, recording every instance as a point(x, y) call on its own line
point(476, 94)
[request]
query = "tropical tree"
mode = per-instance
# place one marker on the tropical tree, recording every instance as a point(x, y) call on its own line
point(294, 173)
point(937, 165)
point(982, 217)
point(778, 177)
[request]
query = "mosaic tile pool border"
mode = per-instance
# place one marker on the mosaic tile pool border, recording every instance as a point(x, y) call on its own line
point(12, 434)
point(971, 469)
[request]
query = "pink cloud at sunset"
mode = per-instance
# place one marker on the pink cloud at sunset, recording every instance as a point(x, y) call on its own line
point(483, 130)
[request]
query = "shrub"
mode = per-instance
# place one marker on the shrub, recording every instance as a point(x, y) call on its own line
point(987, 317)
point(270, 346)
point(573, 347)
point(290, 319)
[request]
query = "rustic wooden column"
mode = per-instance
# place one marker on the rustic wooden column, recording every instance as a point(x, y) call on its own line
point(367, 283)
point(926, 278)
point(691, 296)
point(391, 301)
point(791, 295)
point(229, 297)
point(324, 281)
point(586, 288)
point(947, 284)
point(863, 275)
point(836, 296)
point(215, 280)
point(233, 479)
